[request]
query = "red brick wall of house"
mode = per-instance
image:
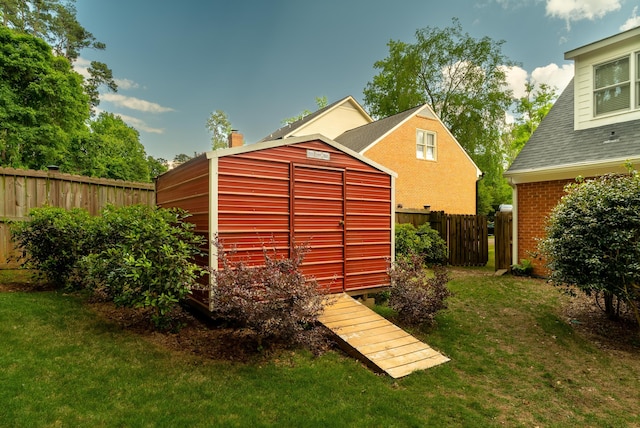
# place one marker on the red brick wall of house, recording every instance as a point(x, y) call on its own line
point(535, 202)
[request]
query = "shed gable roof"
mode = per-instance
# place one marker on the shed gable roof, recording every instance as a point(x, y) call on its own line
point(265, 145)
point(556, 145)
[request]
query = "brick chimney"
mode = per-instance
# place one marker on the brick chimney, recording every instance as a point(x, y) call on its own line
point(235, 139)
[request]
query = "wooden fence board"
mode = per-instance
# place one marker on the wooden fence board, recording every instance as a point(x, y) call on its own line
point(466, 235)
point(22, 190)
point(503, 233)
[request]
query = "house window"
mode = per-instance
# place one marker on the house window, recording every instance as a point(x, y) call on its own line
point(425, 145)
point(612, 90)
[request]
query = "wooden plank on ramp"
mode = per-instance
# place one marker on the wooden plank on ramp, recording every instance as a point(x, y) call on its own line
point(378, 342)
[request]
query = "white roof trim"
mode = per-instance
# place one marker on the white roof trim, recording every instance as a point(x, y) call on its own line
point(295, 140)
point(617, 38)
point(569, 171)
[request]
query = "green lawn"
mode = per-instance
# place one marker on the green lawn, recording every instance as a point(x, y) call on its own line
point(515, 361)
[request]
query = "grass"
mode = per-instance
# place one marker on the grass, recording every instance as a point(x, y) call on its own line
point(515, 361)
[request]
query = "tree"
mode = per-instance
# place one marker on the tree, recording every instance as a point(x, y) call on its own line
point(55, 22)
point(219, 126)
point(463, 80)
point(181, 158)
point(321, 102)
point(42, 103)
point(593, 240)
point(530, 110)
point(111, 149)
point(157, 166)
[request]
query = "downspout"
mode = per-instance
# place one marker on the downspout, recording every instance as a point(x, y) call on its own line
point(479, 177)
point(514, 218)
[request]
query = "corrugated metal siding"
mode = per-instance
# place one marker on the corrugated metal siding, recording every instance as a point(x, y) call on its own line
point(254, 212)
point(274, 197)
point(318, 213)
point(368, 212)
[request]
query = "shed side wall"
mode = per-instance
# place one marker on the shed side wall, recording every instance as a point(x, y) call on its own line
point(187, 187)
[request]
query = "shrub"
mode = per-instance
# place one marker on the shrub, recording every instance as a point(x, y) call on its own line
point(54, 240)
point(274, 300)
point(147, 261)
point(423, 241)
point(417, 294)
point(593, 240)
point(524, 268)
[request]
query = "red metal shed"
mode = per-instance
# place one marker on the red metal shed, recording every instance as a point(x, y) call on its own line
point(308, 190)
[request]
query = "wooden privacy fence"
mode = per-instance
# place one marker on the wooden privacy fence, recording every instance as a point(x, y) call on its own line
point(503, 233)
point(21, 190)
point(465, 235)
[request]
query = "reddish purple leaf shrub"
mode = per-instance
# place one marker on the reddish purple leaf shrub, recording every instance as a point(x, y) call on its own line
point(417, 293)
point(274, 300)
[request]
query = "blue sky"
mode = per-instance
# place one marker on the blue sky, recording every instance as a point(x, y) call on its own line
point(262, 61)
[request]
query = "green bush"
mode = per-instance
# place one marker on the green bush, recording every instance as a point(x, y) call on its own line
point(524, 268)
point(593, 240)
point(423, 241)
point(147, 261)
point(137, 256)
point(54, 240)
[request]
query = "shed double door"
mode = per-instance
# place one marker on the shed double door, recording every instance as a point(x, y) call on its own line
point(318, 221)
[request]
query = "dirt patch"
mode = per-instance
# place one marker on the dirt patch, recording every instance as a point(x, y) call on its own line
point(586, 317)
point(197, 335)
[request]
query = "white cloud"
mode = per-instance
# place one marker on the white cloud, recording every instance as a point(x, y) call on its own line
point(139, 124)
point(134, 103)
point(576, 10)
point(80, 65)
point(553, 75)
point(632, 22)
point(126, 84)
point(516, 78)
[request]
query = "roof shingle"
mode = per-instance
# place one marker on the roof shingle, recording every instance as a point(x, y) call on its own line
point(555, 143)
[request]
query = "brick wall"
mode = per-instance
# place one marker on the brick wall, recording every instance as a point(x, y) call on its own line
point(446, 184)
point(535, 202)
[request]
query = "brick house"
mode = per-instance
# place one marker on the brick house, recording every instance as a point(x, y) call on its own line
point(593, 129)
point(433, 169)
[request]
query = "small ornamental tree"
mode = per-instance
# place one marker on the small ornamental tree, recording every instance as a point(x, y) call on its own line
point(593, 240)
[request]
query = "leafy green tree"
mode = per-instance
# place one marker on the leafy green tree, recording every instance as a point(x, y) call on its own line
point(530, 110)
point(321, 102)
point(55, 22)
point(181, 158)
point(463, 80)
point(593, 240)
point(42, 103)
point(157, 166)
point(219, 126)
point(111, 149)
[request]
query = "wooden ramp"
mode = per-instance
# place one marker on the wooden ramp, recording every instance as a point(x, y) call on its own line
point(380, 343)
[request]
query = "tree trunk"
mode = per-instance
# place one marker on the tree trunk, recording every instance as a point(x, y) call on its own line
point(609, 309)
